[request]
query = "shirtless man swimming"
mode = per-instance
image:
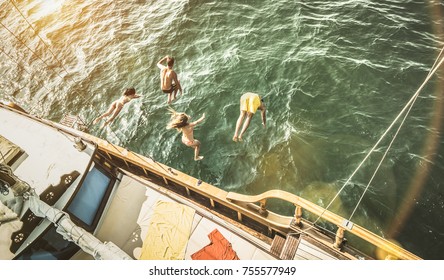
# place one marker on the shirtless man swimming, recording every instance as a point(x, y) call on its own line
point(168, 78)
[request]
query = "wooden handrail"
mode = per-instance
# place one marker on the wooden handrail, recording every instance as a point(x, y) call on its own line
point(384, 244)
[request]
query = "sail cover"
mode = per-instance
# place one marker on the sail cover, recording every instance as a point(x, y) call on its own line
point(86, 241)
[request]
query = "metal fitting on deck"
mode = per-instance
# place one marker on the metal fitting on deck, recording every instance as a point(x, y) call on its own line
point(339, 238)
point(79, 145)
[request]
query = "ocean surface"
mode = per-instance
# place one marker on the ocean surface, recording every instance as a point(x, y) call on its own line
point(334, 75)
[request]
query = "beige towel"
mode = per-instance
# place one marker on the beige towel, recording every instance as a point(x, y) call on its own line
point(168, 232)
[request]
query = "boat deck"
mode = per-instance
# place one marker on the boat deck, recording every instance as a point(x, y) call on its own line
point(131, 212)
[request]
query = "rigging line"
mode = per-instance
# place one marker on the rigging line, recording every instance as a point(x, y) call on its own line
point(47, 46)
point(393, 140)
point(88, 125)
point(33, 52)
point(412, 99)
point(112, 145)
point(29, 73)
point(89, 102)
point(12, 33)
point(409, 105)
point(382, 159)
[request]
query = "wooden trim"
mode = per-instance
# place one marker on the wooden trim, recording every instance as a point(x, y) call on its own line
point(356, 230)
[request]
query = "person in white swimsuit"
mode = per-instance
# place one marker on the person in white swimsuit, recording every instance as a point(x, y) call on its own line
point(117, 105)
point(180, 122)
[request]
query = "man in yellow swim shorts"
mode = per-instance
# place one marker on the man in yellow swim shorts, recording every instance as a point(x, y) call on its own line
point(249, 104)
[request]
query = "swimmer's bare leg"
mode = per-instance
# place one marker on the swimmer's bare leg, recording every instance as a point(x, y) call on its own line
point(245, 126)
point(196, 151)
point(106, 114)
point(238, 125)
point(175, 94)
point(170, 95)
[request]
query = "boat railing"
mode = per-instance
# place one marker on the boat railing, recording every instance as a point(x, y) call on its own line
point(393, 250)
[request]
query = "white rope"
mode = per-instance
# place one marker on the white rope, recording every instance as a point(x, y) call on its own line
point(431, 72)
point(381, 161)
point(407, 106)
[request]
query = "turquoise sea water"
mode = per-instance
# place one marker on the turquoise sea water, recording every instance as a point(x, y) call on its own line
point(334, 75)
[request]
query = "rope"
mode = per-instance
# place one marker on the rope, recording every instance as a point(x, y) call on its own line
point(36, 33)
point(3, 157)
point(413, 100)
point(135, 154)
point(29, 73)
point(138, 156)
point(49, 49)
point(439, 55)
point(33, 52)
point(148, 162)
point(88, 102)
point(409, 104)
point(408, 107)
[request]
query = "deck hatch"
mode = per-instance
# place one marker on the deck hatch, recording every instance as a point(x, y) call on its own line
point(88, 199)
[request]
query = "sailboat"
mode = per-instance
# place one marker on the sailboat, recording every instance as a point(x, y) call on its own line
point(67, 194)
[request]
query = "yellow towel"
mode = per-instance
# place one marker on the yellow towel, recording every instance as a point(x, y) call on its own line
point(168, 232)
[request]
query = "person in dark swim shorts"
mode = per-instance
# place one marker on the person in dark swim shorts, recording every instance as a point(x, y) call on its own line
point(169, 83)
point(173, 87)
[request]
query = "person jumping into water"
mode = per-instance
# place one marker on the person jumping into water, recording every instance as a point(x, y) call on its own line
point(249, 104)
point(169, 83)
point(115, 107)
point(180, 121)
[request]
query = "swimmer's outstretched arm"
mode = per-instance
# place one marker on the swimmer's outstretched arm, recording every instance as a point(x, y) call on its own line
point(199, 120)
point(263, 115)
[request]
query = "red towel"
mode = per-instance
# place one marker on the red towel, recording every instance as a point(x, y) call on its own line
point(218, 249)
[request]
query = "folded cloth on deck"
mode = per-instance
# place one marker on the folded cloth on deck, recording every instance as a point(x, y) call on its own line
point(218, 249)
point(168, 232)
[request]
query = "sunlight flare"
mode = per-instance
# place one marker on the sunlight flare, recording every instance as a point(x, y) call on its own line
point(48, 7)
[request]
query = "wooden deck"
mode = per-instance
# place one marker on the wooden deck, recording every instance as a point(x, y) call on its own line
point(309, 251)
